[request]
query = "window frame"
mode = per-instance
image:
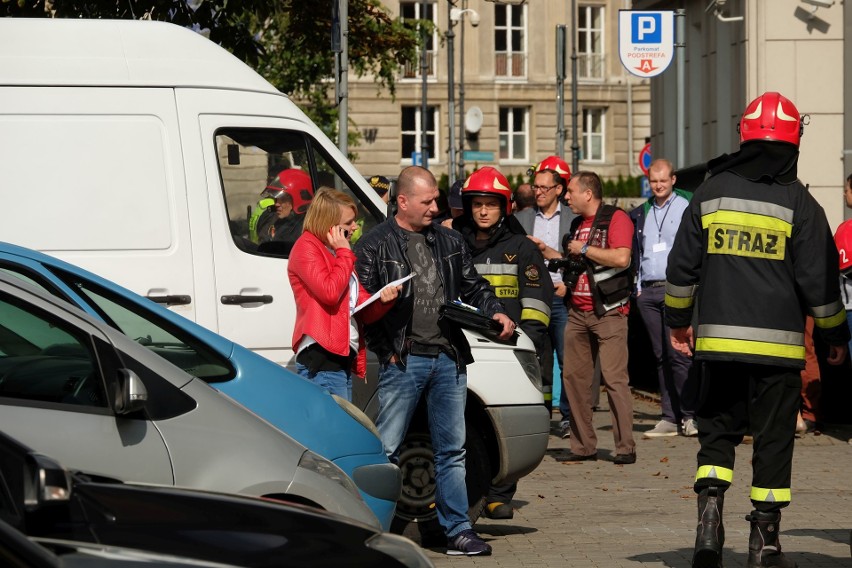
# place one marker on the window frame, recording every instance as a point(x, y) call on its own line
point(434, 151)
point(588, 59)
point(510, 55)
point(509, 134)
point(412, 72)
point(589, 135)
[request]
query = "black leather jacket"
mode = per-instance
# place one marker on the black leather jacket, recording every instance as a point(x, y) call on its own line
point(382, 258)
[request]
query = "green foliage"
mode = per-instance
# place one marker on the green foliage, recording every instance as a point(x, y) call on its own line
point(444, 183)
point(623, 187)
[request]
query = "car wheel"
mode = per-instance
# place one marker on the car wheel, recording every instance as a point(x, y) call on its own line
point(416, 461)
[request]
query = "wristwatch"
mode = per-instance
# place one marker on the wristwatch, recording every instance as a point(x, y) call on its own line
point(584, 248)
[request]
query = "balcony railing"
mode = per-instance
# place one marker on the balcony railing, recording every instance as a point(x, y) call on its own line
point(510, 64)
point(590, 65)
point(412, 69)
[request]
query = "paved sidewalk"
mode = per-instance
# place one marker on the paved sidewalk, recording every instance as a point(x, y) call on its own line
point(602, 515)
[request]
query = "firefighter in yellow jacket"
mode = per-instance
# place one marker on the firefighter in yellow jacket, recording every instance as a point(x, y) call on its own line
point(753, 255)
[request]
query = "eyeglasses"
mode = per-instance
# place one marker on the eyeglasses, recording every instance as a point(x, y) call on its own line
point(486, 206)
point(544, 188)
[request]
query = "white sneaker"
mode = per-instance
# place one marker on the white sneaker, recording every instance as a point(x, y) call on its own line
point(689, 428)
point(662, 429)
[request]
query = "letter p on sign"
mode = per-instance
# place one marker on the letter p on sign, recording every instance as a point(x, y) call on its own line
point(647, 28)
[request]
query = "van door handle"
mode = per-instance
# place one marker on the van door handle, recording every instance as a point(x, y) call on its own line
point(240, 299)
point(172, 299)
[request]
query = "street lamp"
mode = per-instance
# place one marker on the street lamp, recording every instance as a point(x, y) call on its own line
point(457, 15)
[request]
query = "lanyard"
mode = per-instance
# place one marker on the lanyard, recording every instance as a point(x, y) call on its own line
point(667, 206)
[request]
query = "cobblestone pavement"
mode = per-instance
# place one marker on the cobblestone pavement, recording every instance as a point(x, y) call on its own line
point(598, 514)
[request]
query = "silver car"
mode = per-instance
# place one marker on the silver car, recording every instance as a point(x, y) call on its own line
point(75, 389)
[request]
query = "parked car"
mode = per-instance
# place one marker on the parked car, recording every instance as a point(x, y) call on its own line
point(41, 498)
point(325, 424)
point(74, 388)
point(19, 551)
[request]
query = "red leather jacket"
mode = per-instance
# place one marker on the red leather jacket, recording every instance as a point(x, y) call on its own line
point(320, 282)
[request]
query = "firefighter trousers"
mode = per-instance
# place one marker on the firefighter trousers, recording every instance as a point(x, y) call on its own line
point(744, 398)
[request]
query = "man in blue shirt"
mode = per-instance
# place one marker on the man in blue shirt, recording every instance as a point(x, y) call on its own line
point(656, 222)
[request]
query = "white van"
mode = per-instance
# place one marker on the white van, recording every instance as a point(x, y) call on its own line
point(139, 149)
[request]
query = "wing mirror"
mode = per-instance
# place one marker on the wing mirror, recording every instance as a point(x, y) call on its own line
point(131, 394)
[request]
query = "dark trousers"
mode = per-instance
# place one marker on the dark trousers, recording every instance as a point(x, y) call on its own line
point(738, 398)
point(672, 366)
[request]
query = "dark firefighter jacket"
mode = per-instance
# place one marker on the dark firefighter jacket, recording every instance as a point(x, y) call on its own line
point(754, 254)
point(515, 268)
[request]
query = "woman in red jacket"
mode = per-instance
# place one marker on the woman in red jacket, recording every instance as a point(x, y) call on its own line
point(327, 337)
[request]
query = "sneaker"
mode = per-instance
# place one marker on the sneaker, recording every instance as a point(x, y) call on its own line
point(805, 426)
point(662, 429)
point(498, 510)
point(689, 428)
point(564, 430)
point(467, 543)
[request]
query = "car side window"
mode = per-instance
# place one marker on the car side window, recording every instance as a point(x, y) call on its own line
point(269, 178)
point(44, 359)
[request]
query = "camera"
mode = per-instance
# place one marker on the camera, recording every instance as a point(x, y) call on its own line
point(573, 266)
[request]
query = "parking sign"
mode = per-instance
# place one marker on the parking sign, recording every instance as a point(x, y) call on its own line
point(646, 41)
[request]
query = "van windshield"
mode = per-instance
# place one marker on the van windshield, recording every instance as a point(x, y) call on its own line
point(269, 177)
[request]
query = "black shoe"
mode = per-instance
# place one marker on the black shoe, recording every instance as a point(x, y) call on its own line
point(498, 510)
point(572, 457)
point(624, 459)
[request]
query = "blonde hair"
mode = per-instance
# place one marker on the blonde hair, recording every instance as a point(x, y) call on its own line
point(324, 211)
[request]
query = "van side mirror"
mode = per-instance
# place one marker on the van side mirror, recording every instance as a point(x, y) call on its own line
point(131, 394)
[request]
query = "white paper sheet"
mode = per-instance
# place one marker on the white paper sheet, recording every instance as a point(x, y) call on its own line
point(378, 294)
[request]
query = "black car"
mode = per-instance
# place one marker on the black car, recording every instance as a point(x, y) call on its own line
point(41, 499)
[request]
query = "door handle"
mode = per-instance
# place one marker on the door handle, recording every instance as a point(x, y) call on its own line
point(172, 299)
point(239, 299)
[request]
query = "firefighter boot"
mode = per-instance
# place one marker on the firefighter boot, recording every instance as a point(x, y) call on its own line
point(710, 534)
point(763, 546)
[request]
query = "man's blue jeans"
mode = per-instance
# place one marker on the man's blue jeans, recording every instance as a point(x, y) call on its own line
point(556, 330)
point(337, 382)
point(445, 387)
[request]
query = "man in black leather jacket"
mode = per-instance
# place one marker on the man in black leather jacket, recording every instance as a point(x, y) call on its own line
point(419, 352)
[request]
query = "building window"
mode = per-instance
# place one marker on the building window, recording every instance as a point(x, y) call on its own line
point(411, 11)
point(590, 42)
point(510, 41)
point(593, 134)
point(514, 128)
point(412, 131)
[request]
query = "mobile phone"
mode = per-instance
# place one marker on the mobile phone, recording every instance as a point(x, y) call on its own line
point(345, 233)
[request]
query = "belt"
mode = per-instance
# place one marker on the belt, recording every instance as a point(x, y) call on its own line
point(426, 350)
point(653, 283)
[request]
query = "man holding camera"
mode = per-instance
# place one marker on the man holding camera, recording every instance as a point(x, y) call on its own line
point(600, 282)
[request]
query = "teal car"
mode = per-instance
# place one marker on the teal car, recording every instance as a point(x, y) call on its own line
point(325, 424)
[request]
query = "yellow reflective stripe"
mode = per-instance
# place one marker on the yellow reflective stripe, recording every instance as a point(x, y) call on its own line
point(504, 280)
point(715, 344)
point(751, 333)
point(531, 314)
point(537, 305)
point(832, 321)
point(747, 220)
point(777, 495)
point(674, 302)
point(714, 472)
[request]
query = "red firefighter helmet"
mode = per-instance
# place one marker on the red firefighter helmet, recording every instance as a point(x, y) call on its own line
point(295, 183)
point(555, 164)
point(487, 182)
point(771, 116)
point(843, 240)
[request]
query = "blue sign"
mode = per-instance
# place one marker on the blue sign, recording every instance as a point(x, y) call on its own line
point(646, 27)
point(416, 159)
point(646, 187)
point(645, 158)
point(473, 156)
